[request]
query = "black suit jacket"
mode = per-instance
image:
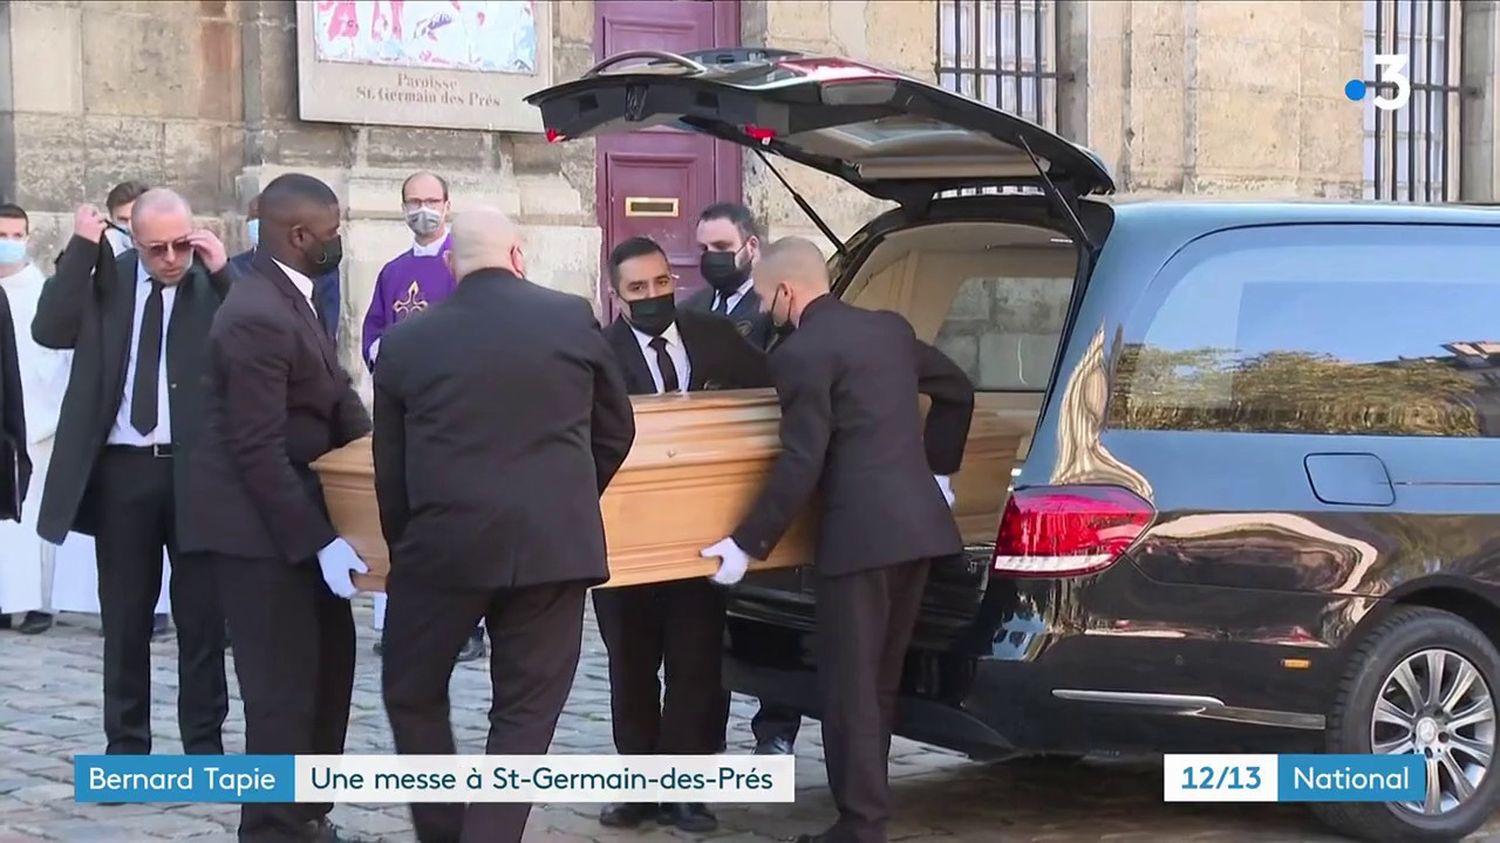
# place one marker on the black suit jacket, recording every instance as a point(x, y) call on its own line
point(89, 307)
point(848, 380)
point(746, 316)
point(500, 418)
point(15, 463)
point(277, 400)
point(720, 357)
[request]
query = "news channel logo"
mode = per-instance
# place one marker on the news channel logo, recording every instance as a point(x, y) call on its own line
point(1393, 76)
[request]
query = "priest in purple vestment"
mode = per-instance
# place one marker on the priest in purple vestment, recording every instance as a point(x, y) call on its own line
point(418, 277)
point(413, 281)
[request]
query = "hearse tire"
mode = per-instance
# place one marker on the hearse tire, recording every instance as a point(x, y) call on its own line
point(1412, 637)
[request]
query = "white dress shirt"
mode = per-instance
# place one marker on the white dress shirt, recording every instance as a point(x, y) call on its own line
point(303, 284)
point(734, 297)
point(675, 350)
point(122, 433)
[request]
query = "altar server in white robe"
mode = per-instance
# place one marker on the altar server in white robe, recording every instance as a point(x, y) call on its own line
point(26, 561)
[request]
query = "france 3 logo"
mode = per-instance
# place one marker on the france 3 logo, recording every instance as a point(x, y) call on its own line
point(1394, 76)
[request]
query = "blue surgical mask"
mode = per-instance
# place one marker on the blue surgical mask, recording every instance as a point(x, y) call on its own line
point(252, 228)
point(12, 251)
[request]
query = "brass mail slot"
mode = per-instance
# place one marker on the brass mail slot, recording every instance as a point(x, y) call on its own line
point(650, 206)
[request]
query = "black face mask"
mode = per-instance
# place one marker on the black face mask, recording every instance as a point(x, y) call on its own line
point(653, 315)
point(722, 270)
point(782, 329)
point(329, 255)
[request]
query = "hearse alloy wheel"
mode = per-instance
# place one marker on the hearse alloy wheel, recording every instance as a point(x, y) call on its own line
point(1422, 683)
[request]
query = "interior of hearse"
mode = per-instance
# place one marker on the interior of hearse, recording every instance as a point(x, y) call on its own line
point(993, 296)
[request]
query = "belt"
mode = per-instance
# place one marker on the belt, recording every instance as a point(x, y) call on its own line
point(154, 451)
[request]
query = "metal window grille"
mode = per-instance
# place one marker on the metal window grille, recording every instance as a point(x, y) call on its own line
point(1411, 154)
point(1001, 52)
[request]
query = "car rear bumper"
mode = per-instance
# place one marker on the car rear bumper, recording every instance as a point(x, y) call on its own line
point(1111, 663)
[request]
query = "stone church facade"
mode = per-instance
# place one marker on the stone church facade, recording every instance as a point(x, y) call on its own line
point(1199, 98)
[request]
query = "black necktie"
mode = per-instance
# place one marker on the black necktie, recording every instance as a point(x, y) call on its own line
point(722, 307)
point(147, 364)
point(665, 364)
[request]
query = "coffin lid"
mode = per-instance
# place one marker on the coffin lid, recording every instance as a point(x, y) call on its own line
point(890, 135)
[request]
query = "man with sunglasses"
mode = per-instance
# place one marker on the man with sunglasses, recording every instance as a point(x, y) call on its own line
point(137, 325)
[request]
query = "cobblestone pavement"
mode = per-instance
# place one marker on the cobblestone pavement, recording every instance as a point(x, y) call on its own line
point(49, 711)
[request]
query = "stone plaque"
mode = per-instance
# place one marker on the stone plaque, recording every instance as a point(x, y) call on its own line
point(424, 63)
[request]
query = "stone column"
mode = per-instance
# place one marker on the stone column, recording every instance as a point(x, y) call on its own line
point(1479, 157)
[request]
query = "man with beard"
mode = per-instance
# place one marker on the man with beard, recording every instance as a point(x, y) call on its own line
point(680, 624)
point(730, 243)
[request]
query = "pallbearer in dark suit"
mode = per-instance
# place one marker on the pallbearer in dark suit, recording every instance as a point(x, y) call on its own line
point(499, 421)
point(886, 515)
point(680, 624)
point(730, 241)
point(138, 327)
point(278, 400)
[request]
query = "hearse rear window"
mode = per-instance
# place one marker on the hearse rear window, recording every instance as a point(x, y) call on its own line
point(1377, 330)
point(1004, 332)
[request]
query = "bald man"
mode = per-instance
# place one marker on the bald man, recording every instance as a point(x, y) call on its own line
point(885, 500)
point(277, 401)
point(500, 417)
point(138, 328)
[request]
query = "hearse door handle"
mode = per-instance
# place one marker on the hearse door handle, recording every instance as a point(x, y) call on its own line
point(1350, 479)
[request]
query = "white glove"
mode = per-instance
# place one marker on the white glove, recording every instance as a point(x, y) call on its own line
point(946, 485)
point(733, 562)
point(338, 560)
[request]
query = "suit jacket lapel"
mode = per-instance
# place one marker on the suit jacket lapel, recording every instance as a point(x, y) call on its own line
point(748, 307)
point(118, 325)
point(266, 266)
point(638, 380)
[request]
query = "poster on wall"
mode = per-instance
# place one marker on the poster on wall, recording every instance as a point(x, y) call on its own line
point(456, 64)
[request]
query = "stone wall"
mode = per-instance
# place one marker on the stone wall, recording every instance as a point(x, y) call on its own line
point(1222, 98)
point(1195, 98)
point(1003, 332)
point(202, 96)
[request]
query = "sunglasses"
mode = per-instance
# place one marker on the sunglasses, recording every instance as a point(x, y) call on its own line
point(161, 250)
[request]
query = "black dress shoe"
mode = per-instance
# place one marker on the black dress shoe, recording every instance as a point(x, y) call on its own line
point(473, 648)
point(774, 746)
point(626, 814)
point(35, 623)
point(687, 816)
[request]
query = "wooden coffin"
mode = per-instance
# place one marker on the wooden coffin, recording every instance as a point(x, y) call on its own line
point(698, 462)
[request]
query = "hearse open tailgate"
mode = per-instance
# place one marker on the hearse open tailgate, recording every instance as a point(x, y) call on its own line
point(890, 135)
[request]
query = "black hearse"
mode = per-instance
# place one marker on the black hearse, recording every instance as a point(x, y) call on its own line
point(1259, 508)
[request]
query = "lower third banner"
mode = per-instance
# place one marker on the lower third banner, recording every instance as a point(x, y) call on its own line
point(434, 778)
